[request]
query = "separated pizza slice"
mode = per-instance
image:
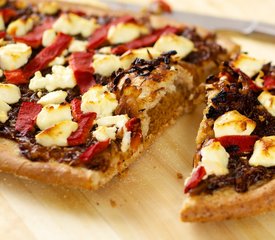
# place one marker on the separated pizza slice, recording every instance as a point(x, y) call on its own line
point(234, 166)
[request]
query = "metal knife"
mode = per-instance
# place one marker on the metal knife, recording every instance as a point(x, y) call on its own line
point(209, 22)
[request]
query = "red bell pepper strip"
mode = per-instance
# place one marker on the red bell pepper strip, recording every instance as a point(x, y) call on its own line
point(195, 179)
point(34, 38)
point(93, 150)
point(85, 124)
point(243, 143)
point(76, 109)
point(2, 34)
point(27, 116)
point(7, 14)
point(144, 41)
point(162, 6)
point(40, 61)
point(134, 126)
point(81, 63)
point(269, 82)
point(100, 34)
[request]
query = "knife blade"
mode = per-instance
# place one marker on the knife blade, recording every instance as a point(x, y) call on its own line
point(209, 22)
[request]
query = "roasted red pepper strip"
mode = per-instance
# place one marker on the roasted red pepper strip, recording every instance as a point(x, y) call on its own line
point(40, 61)
point(195, 179)
point(134, 126)
point(269, 82)
point(85, 124)
point(2, 34)
point(161, 6)
point(93, 150)
point(76, 108)
point(81, 63)
point(27, 116)
point(34, 38)
point(243, 143)
point(8, 13)
point(100, 34)
point(144, 41)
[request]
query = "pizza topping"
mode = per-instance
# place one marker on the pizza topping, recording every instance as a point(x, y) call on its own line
point(214, 159)
point(105, 65)
point(20, 26)
point(269, 82)
point(233, 123)
point(93, 150)
point(14, 56)
point(48, 37)
point(55, 97)
point(197, 175)
point(103, 133)
point(264, 152)
point(52, 114)
point(81, 64)
point(268, 101)
point(4, 109)
point(249, 65)
point(2, 23)
point(73, 24)
point(27, 115)
point(49, 8)
point(9, 93)
point(133, 126)
point(171, 41)
point(7, 14)
point(76, 109)
point(100, 100)
point(3, 3)
point(125, 32)
point(40, 61)
point(85, 124)
point(78, 46)
point(57, 134)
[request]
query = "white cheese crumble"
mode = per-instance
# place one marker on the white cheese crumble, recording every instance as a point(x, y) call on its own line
point(9, 93)
point(102, 133)
point(100, 100)
point(57, 134)
point(118, 120)
point(264, 152)
point(48, 37)
point(14, 56)
point(105, 65)
point(78, 46)
point(55, 97)
point(249, 65)
point(4, 109)
point(52, 114)
point(73, 24)
point(214, 159)
point(2, 23)
point(20, 26)
point(48, 8)
point(233, 123)
point(126, 141)
point(125, 32)
point(268, 101)
point(171, 41)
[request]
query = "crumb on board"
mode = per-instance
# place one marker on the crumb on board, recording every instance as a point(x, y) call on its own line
point(179, 175)
point(113, 203)
point(97, 203)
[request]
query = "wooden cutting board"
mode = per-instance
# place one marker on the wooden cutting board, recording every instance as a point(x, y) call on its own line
point(144, 202)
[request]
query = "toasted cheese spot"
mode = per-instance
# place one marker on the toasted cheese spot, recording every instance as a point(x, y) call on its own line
point(20, 4)
point(264, 152)
point(55, 97)
point(3, 2)
point(20, 26)
point(98, 99)
point(57, 134)
point(119, 121)
point(171, 41)
point(14, 56)
point(233, 123)
point(249, 65)
point(52, 114)
point(268, 101)
point(215, 159)
point(48, 37)
point(9, 93)
point(61, 77)
point(4, 109)
point(49, 8)
point(73, 24)
point(78, 46)
point(102, 133)
point(2, 23)
point(125, 32)
point(105, 65)
point(143, 53)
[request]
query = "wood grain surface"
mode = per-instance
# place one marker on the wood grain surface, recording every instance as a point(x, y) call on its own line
point(144, 202)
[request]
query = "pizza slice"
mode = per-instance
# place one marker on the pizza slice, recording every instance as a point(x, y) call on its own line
point(83, 92)
point(234, 165)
